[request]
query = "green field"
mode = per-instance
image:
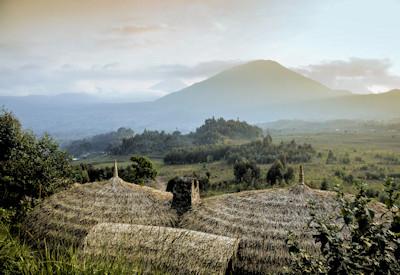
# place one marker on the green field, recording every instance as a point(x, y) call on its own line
point(371, 156)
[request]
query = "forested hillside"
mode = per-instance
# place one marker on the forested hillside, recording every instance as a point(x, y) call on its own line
point(99, 143)
point(124, 141)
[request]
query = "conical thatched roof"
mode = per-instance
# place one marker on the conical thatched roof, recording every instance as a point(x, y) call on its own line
point(261, 219)
point(162, 249)
point(67, 216)
point(115, 216)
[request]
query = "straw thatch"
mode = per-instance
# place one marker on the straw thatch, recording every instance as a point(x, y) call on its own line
point(261, 219)
point(66, 217)
point(118, 219)
point(162, 249)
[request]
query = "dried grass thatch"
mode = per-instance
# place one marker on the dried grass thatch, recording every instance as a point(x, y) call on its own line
point(261, 219)
point(162, 249)
point(66, 217)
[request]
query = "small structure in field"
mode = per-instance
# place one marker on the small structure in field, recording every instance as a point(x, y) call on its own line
point(186, 192)
point(162, 249)
point(262, 220)
point(67, 216)
point(242, 232)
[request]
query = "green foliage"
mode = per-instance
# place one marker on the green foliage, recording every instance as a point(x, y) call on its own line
point(141, 170)
point(31, 168)
point(331, 158)
point(212, 132)
point(346, 159)
point(276, 173)
point(246, 171)
point(289, 175)
point(215, 131)
point(264, 152)
point(197, 154)
point(360, 244)
point(18, 258)
point(279, 172)
point(260, 151)
point(99, 143)
point(151, 143)
point(324, 185)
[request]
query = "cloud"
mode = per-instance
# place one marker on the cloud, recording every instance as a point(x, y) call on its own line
point(358, 75)
point(109, 81)
point(133, 29)
point(203, 69)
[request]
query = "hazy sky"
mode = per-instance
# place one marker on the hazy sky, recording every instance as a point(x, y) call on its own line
point(140, 50)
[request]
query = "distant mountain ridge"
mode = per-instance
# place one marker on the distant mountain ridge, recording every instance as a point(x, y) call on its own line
point(249, 83)
point(258, 91)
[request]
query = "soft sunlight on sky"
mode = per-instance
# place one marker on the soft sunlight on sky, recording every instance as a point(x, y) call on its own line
point(141, 50)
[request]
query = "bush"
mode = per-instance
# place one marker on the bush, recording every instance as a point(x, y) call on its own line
point(141, 170)
point(324, 185)
point(362, 245)
point(30, 168)
point(246, 171)
point(331, 158)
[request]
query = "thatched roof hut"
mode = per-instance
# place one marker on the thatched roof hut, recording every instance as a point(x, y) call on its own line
point(261, 219)
point(66, 217)
point(162, 249)
point(136, 222)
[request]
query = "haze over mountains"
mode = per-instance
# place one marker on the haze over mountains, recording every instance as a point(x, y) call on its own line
point(258, 91)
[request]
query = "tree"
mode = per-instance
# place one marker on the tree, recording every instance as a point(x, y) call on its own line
point(276, 173)
point(246, 171)
point(289, 175)
point(30, 168)
point(331, 157)
point(362, 244)
point(141, 170)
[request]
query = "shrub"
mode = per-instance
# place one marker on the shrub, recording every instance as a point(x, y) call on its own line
point(361, 245)
point(31, 168)
point(331, 158)
point(246, 171)
point(324, 185)
point(140, 171)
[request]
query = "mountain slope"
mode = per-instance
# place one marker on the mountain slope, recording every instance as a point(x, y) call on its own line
point(259, 91)
point(256, 82)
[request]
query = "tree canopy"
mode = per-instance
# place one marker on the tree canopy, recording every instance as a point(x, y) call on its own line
point(31, 168)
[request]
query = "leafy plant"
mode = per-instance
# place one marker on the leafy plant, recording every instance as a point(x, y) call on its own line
point(141, 170)
point(356, 242)
point(31, 168)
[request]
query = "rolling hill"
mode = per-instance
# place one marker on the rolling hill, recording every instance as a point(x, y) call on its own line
point(258, 91)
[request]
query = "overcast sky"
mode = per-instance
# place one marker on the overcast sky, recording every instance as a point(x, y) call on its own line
point(140, 50)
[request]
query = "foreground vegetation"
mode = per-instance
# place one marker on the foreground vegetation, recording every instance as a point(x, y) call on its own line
point(34, 168)
point(354, 240)
point(16, 257)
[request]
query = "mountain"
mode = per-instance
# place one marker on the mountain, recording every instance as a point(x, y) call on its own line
point(258, 91)
point(169, 85)
point(256, 82)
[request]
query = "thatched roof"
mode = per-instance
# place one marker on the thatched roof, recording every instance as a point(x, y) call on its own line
point(261, 219)
point(162, 249)
point(68, 216)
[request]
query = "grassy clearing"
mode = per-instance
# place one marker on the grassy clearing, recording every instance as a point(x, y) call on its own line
point(371, 155)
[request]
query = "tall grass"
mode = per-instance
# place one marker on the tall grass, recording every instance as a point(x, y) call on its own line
point(18, 258)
